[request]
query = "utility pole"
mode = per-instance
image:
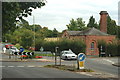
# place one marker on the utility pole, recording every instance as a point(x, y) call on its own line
point(34, 31)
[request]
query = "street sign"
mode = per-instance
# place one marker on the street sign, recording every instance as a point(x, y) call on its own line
point(41, 49)
point(21, 49)
point(81, 59)
point(81, 56)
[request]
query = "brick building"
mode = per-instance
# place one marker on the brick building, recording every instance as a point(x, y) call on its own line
point(91, 36)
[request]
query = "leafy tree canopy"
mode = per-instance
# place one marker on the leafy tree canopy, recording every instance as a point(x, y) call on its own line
point(76, 25)
point(92, 23)
point(111, 26)
point(12, 10)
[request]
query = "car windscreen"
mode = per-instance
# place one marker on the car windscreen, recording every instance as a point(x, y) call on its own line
point(68, 53)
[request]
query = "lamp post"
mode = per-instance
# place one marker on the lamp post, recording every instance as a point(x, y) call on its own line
point(34, 31)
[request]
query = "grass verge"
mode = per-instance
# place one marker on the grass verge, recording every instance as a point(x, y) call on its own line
point(68, 68)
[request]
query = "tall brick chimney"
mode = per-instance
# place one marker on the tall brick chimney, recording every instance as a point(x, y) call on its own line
point(103, 21)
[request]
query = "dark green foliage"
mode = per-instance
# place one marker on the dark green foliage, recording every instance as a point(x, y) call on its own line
point(76, 46)
point(55, 33)
point(76, 25)
point(12, 10)
point(27, 38)
point(111, 49)
point(92, 23)
point(111, 26)
point(118, 32)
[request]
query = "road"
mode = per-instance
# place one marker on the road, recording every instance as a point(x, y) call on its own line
point(21, 71)
point(11, 69)
point(103, 65)
point(100, 64)
point(32, 69)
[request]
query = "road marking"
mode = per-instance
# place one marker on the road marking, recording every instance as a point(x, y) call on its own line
point(20, 66)
point(30, 66)
point(109, 61)
point(2, 66)
point(84, 73)
point(11, 66)
point(39, 66)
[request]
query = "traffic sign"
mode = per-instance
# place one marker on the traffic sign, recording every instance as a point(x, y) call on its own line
point(81, 59)
point(41, 49)
point(81, 56)
point(24, 53)
point(21, 49)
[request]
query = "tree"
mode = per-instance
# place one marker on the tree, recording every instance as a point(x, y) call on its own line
point(111, 26)
point(27, 38)
point(12, 10)
point(76, 25)
point(54, 33)
point(34, 28)
point(92, 23)
point(118, 32)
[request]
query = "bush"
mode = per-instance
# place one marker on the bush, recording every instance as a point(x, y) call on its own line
point(76, 46)
point(111, 49)
point(18, 46)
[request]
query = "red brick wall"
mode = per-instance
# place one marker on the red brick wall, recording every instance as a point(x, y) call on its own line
point(90, 39)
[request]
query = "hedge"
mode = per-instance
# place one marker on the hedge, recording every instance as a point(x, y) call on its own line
point(111, 49)
point(76, 46)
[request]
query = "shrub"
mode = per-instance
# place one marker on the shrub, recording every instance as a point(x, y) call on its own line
point(111, 49)
point(76, 46)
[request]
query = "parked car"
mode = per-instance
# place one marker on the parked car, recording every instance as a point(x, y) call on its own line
point(8, 46)
point(14, 49)
point(68, 55)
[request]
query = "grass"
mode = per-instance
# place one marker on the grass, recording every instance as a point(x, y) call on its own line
point(39, 54)
point(68, 68)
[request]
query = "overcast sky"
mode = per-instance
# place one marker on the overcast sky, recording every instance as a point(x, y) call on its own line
point(58, 13)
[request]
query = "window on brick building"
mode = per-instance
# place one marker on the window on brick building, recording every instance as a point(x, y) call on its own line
point(92, 46)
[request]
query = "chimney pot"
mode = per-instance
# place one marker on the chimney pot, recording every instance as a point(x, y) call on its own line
point(103, 12)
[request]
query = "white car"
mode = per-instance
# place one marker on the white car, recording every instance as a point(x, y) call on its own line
point(14, 49)
point(68, 55)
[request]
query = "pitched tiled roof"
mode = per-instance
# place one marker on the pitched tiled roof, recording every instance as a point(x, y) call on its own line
point(90, 31)
point(72, 33)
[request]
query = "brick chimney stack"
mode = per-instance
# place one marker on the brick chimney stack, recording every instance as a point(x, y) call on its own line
point(103, 21)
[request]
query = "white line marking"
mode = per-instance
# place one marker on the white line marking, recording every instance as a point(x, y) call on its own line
point(20, 66)
point(85, 74)
point(109, 61)
point(30, 66)
point(2, 66)
point(39, 66)
point(11, 66)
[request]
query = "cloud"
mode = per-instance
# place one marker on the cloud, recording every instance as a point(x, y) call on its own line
point(58, 13)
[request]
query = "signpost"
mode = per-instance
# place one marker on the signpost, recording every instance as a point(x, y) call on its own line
point(81, 60)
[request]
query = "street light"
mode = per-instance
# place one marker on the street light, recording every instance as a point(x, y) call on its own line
point(34, 30)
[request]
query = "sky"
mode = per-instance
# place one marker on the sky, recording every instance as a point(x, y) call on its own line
point(58, 13)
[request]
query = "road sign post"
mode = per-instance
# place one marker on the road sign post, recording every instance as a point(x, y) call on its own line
point(81, 60)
